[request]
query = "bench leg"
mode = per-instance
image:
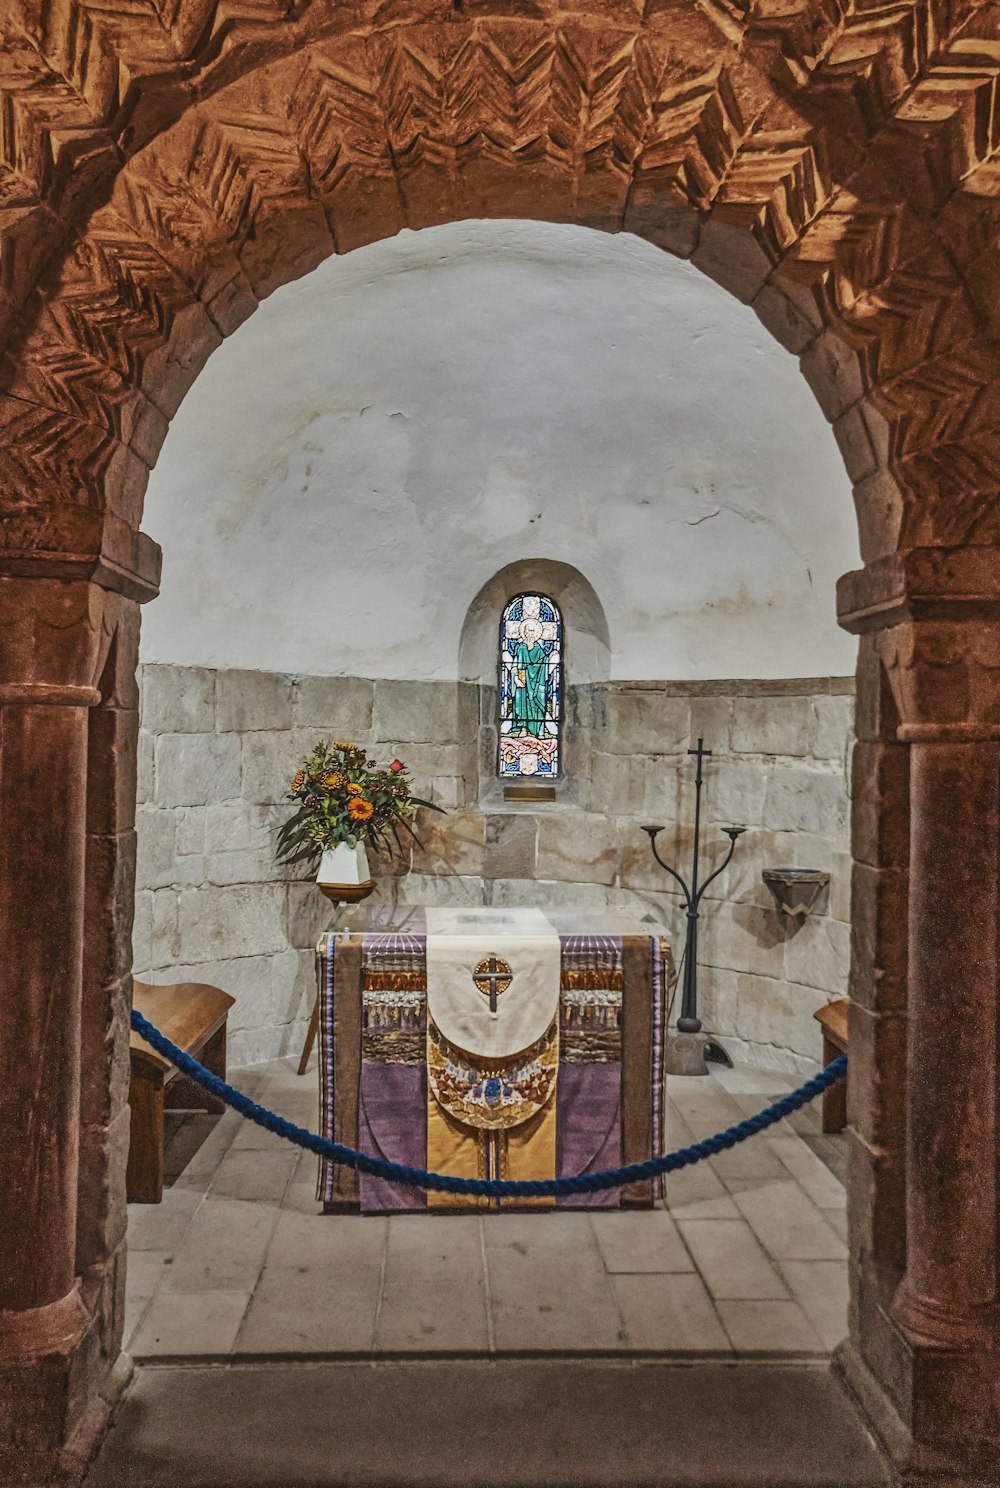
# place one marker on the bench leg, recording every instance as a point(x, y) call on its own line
point(310, 1037)
point(187, 1095)
point(834, 1099)
point(144, 1176)
point(213, 1057)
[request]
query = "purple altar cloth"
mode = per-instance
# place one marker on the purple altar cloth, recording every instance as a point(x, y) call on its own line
point(373, 1032)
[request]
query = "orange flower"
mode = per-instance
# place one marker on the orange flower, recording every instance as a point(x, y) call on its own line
point(354, 790)
point(358, 809)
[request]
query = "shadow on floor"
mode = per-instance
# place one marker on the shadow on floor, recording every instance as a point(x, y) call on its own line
point(445, 1424)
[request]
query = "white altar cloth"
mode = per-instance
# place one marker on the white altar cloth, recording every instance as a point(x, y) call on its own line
point(461, 940)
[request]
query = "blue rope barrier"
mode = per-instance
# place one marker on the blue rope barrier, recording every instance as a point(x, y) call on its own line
point(491, 1188)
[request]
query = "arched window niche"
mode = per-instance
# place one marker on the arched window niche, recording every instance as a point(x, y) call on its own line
point(575, 642)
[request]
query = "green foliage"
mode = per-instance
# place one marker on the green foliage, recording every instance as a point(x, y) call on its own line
point(344, 797)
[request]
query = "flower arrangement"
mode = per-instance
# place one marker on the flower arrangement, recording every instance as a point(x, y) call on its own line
point(344, 797)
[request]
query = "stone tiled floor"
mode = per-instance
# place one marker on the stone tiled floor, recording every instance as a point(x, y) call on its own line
point(746, 1258)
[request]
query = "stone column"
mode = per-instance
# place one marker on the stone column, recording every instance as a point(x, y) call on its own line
point(932, 1376)
point(50, 635)
point(949, 1293)
point(60, 1277)
point(51, 638)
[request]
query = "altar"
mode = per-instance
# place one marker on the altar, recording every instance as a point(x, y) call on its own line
point(490, 1043)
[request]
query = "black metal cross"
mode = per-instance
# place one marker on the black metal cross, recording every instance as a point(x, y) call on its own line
point(702, 754)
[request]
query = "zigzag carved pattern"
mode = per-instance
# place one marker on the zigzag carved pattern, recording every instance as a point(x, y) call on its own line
point(372, 111)
point(571, 99)
point(50, 451)
point(239, 163)
point(780, 180)
point(70, 53)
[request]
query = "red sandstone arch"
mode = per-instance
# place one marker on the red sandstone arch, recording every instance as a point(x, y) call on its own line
point(835, 165)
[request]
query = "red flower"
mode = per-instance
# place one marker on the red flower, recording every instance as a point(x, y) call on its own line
point(396, 766)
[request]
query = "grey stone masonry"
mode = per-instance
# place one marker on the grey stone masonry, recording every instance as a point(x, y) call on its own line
point(217, 750)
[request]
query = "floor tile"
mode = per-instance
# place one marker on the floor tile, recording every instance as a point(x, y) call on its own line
point(302, 1198)
point(224, 1248)
point(749, 1159)
point(545, 1294)
point(837, 1220)
point(306, 1168)
point(821, 1290)
point(188, 1325)
point(704, 1109)
point(788, 1224)
point(759, 1327)
point(811, 1174)
point(145, 1269)
point(645, 1241)
point(135, 1310)
point(434, 1292)
point(751, 1103)
point(162, 1226)
point(730, 1261)
point(807, 1121)
point(596, 1282)
point(327, 1241)
point(670, 1314)
point(252, 1137)
point(698, 1193)
point(744, 1079)
point(831, 1149)
point(309, 1310)
point(557, 1229)
point(206, 1157)
point(260, 1176)
point(676, 1132)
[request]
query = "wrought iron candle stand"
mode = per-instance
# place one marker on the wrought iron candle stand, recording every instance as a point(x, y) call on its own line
point(685, 1052)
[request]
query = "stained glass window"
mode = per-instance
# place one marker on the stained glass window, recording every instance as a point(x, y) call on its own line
point(531, 650)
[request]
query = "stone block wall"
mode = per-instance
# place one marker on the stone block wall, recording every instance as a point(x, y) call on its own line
point(217, 749)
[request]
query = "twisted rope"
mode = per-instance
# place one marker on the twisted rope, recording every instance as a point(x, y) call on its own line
point(493, 1188)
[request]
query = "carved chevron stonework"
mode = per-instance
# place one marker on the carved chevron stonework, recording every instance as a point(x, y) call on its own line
point(165, 165)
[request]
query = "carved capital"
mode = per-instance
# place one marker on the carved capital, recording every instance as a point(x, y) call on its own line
point(54, 639)
point(937, 612)
point(945, 678)
point(61, 540)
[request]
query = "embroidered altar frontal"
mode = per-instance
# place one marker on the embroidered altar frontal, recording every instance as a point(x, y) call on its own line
point(586, 1094)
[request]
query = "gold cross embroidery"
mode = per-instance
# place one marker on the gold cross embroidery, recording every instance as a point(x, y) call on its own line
point(492, 976)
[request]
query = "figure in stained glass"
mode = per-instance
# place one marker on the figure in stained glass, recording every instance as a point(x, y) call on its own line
point(530, 687)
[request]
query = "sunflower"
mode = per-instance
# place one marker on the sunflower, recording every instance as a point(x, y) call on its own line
point(299, 781)
point(358, 809)
point(354, 790)
point(334, 779)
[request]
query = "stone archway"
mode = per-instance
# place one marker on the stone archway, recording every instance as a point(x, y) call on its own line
point(833, 166)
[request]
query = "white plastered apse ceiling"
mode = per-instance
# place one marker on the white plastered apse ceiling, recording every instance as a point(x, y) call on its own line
point(384, 435)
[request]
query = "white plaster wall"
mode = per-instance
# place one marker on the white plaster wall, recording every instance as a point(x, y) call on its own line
point(386, 434)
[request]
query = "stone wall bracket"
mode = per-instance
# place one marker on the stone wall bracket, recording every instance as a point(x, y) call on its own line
point(796, 890)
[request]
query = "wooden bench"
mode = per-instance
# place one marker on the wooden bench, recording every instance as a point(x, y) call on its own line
point(833, 1021)
point(193, 1016)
